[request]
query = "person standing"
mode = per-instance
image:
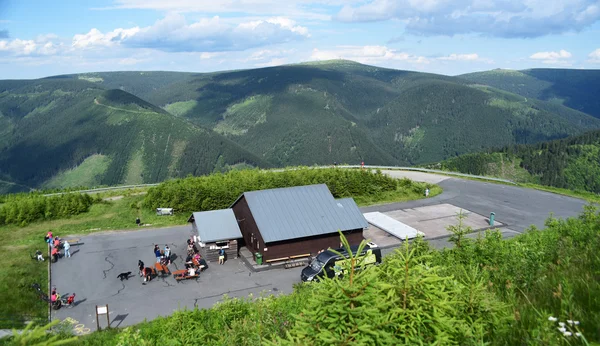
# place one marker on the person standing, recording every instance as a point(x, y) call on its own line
point(427, 192)
point(67, 248)
point(167, 254)
point(221, 256)
point(157, 253)
point(138, 222)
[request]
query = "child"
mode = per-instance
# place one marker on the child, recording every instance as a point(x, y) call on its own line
point(167, 254)
point(221, 256)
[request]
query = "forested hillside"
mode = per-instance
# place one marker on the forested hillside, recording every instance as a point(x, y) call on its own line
point(90, 129)
point(348, 112)
point(577, 89)
point(572, 163)
point(66, 132)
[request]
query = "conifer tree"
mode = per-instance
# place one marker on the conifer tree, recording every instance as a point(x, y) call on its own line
point(345, 310)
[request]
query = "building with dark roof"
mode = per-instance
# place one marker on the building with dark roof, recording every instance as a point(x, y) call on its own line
point(217, 229)
point(296, 221)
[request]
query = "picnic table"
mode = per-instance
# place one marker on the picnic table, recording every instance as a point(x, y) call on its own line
point(163, 269)
point(182, 274)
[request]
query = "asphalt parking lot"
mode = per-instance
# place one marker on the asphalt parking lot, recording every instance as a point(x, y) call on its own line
point(92, 272)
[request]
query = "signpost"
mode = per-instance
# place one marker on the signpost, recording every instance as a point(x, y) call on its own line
point(102, 310)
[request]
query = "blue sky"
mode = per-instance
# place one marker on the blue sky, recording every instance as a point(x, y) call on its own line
point(43, 38)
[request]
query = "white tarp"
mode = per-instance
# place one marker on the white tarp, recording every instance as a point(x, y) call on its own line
point(391, 225)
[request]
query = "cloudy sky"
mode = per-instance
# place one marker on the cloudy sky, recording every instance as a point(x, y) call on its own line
point(41, 38)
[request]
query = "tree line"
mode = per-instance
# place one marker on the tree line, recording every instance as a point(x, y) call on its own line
point(23, 209)
point(218, 191)
point(571, 163)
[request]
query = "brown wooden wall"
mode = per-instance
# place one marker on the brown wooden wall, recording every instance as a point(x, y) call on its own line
point(294, 247)
point(248, 227)
point(310, 245)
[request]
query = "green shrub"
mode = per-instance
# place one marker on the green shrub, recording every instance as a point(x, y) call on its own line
point(219, 190)
point(26, 208)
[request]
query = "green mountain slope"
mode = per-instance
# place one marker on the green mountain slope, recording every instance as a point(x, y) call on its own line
point(577, 89)
point(68, 132)
point(347, 112)
point(572, 163)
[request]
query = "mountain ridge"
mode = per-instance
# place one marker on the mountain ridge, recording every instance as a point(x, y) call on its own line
point(302, 114)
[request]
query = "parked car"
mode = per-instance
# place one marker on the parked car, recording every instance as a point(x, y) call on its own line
point(329, 264)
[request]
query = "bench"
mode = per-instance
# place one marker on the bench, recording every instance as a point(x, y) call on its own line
point(163, 269)
point(182, 275)
point(277, 259)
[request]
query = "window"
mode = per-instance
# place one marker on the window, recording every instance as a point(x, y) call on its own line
point(221, 244)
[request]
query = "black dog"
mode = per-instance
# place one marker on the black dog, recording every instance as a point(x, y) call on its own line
point(124, 276)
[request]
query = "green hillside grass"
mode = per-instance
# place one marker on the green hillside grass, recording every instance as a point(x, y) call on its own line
point(88, 173)
point(574, 88)
point(54, 132)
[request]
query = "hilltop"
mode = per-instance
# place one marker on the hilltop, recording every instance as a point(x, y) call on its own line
point(577, 89)
point(65, 132)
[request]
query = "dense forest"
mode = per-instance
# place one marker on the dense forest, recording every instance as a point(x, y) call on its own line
point(97, 129)
point(113, 138)
point(535, 289)
point(572, 163)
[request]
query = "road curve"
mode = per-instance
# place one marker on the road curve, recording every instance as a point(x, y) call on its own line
point(516, 207)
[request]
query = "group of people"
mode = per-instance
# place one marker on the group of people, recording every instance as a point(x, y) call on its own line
point(162, 256)
point(56, 244)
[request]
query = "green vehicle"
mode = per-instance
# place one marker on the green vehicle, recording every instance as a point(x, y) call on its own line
point(330, 264)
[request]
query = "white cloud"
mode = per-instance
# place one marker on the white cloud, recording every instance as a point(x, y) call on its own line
point(367, 55)
point(502, 18)
point(553, 58)
point(95, 38)
point(174, 34)
point(39, 46)
point(594, 57)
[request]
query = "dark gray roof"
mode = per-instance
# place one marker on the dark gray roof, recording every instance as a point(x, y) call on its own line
point(216, 225)
point(302, 211)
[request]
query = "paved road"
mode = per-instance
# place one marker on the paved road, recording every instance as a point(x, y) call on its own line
point(516, 207)
point(93, 269)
